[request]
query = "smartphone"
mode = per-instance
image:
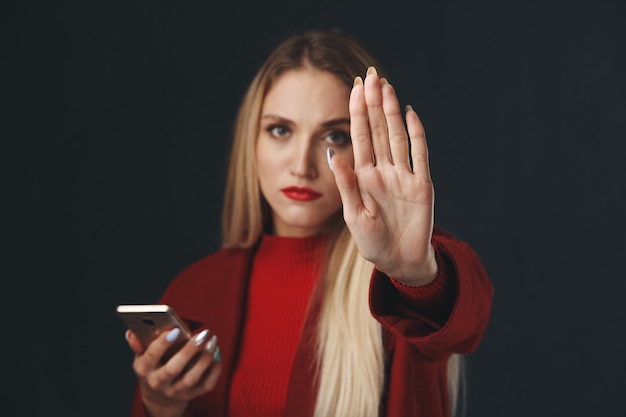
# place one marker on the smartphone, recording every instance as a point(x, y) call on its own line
point(148, 321)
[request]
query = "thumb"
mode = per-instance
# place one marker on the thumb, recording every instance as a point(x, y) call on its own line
point(347, 183)
point(134, 343)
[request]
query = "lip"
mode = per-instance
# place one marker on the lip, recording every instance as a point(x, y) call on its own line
point(301, 193)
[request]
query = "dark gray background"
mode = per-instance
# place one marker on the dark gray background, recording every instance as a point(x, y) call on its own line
point(116, 122)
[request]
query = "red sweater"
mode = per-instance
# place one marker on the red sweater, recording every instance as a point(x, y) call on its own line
point(282, 279)
point(420, 329)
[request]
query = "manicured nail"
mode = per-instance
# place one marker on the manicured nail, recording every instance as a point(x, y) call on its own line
point(372, 71)
point(217, 356)
point(383, 81)
point(173, 334)
point(329, 158)
point(201, 337)
point(358, 80)
point(210, 347)
point(127, 335)
point(408, 108)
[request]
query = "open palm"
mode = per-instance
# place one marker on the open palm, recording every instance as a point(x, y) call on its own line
point(388, 196)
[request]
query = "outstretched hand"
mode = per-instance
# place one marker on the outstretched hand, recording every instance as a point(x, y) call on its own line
point(388, 205)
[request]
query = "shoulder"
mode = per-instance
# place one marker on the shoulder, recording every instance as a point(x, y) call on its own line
point(220, 261)
point(222, 272)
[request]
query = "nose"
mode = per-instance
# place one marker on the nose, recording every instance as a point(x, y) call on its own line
point(304, 160)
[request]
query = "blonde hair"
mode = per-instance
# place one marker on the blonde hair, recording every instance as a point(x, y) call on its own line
point(350, 343)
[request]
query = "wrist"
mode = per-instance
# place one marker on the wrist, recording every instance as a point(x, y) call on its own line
point(160, 408)
point(416, 275)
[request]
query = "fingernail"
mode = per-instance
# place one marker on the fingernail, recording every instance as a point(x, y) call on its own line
point(408, 108)
point(383, 81)
point(329, 157)
point(127, 335)
point(173, 334)
point(358, 80)
point(371, 71)
point(217, 356)
point(210, 347)
point(201, 337)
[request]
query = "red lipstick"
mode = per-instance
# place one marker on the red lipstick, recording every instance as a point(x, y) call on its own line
point(301, 193)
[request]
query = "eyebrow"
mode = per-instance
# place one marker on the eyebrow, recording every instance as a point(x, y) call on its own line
point(328, 123)
point(335, 122)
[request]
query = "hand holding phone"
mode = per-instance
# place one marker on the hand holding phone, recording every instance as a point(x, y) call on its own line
point(148, 321)
point(199, 357)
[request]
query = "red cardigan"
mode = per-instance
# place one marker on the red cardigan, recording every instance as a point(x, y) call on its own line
point(419, 333)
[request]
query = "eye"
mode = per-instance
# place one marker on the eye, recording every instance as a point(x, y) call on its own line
point(338, 138)
point(278, 131)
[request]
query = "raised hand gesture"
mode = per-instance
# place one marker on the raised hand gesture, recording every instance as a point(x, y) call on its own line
point(388, 205)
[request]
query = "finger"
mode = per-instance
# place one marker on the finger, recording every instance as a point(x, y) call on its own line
point(202, 375)
point(398, 141)
point(359, 126)
point(151, 359)
point(211, 359)
point(134, 343)
point(214, 374)
point(419, 149)
point(179, 360)
point(376, 117)
point(207, 382)
point(347, 186)
point(157, 348)
point(188, 352)
point(204, 359)
point(194, 375)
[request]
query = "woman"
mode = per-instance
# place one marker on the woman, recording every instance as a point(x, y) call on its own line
point(333, 294)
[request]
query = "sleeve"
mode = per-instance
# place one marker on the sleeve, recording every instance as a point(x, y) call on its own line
point(450, 314)
point(137, 409)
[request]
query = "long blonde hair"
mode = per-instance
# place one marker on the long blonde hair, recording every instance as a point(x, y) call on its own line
point(350, 353)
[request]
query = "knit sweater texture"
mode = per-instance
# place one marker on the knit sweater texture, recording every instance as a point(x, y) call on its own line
point(283, 276)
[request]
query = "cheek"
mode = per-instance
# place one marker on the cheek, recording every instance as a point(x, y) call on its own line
point(266, 165)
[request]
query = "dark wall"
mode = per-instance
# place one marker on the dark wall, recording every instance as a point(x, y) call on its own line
point(116, 126)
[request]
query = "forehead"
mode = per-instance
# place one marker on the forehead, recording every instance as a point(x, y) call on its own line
point(307, 93)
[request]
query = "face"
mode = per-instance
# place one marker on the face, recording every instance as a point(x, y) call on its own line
point(304, 112)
